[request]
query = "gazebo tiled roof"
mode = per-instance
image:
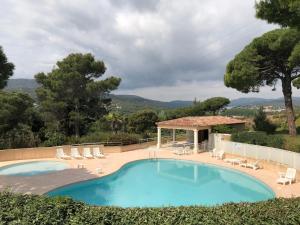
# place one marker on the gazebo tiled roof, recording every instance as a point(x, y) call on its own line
point(200, 121)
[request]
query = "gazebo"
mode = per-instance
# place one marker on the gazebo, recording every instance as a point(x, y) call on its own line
point(199, 126)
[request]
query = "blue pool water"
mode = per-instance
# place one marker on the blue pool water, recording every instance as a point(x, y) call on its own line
point(156, 183)
point(33, 168)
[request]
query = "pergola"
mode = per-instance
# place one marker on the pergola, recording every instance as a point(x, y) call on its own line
point(195, 124)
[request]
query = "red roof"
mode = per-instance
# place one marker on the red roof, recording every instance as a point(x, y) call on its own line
point(200, 121)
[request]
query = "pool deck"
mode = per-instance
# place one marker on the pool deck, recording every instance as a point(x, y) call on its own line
point(40, 184)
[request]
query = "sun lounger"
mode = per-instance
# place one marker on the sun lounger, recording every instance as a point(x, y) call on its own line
point(61, 154)
point(254, 165)
point(187, 150)
point(213, 153)
point(179, 151)
point(220, 154)
point(87, 153)
point(75, 154)
point(235, 161)
point(97, 153)
point(288, 177)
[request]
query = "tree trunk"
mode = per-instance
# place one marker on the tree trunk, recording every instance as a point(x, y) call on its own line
point(288, 101)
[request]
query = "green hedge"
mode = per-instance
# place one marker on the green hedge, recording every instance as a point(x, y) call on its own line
point(259, 138)
point(31, 209)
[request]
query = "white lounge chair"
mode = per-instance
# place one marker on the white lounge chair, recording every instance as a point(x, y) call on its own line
point(213, 153)
point(61, 154)
point(97, 153)
point(187, 150)
point(288, 177)
point(87, 153)
point(179, 151)
point(253, 166)
point(75, 154)
point(220, 154)
point(235, 161)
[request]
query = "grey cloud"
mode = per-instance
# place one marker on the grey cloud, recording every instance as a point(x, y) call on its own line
point(148, 43)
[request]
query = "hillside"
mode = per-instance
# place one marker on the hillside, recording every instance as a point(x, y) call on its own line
point(261, 101)
point(124, 103)
point(132, 103)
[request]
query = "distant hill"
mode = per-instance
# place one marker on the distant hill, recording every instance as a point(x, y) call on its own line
point(24, 85)
point(132, 103)
point(125, 103)
point(261, 101)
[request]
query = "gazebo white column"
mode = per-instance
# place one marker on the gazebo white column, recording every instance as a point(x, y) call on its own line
point(195, 141)
point(158, 137)
point(174, 135)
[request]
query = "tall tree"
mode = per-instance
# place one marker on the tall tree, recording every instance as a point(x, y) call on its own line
point(266, 60)
point(6, 69)
point(17, 120)
point(142, 121)
point(215, 104)
point(71, 96)
point(283, 12)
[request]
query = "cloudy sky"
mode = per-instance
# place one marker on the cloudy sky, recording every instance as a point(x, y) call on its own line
point(162, 49)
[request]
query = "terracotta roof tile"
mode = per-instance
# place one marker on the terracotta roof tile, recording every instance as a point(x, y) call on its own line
point(201, 121)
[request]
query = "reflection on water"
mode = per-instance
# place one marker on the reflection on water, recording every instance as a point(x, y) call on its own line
point(168, 182)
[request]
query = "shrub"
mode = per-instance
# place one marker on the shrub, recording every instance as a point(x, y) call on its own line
point(32, 209)
point(121, 138)
point(18, 137)
point(224, 129)
point(259, 138)
point(54, 138)
point(261, 123)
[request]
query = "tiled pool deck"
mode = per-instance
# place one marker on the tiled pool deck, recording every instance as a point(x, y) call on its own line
point(41, 184)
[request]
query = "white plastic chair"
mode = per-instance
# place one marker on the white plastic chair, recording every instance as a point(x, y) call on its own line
point(288, 177)
point(97, 153)
point(87, 153)
point(61, 154)
point(75, 154)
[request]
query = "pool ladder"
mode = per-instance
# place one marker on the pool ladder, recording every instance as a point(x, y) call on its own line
point(153, 155)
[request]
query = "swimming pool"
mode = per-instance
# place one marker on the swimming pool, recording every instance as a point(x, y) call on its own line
point(33, 168)
point(154, 183)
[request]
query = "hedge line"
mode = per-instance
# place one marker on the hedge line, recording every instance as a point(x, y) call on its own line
point(33, 209)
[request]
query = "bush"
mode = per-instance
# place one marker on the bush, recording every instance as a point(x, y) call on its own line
point(122, 138)
point(259, 138)
point(18, 137)
point(261, 123)
point(224, 129)
point(32, 209)
point(54, 138)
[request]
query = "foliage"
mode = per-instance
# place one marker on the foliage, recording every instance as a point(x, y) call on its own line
point(240, 112)
point(18, 120)
point(142, 121)
point(70, 96)
point(6, 69)
point(261, 122)
point(265, 61)
point(115, 120)
point(215, 104)
point(283, 12)
point(119, 138)
point(21, 136)
point(259, 138)
point(292, 143)
point(32, 209)
point(209, 106)
point(224, 129)
point(54, 138)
